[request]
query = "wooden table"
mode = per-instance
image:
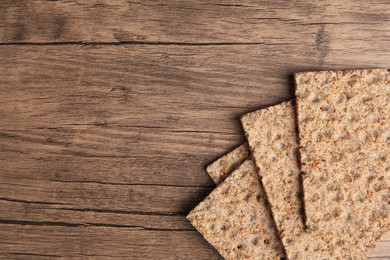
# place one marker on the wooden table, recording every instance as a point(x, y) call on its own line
point(110, 111)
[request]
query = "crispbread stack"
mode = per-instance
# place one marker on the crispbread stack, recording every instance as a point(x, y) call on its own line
point(272, 137)
point(345, 168)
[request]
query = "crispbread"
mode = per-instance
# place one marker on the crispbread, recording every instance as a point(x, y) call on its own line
point(236, 220)
point(344, 133)
point(219, 169)
point(272, 138)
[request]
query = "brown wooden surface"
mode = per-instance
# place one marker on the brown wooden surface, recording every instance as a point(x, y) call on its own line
point(110, 110)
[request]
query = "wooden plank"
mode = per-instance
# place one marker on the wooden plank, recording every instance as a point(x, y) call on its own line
point(186, 21)
point(19, 211)
point(104, 196)
point(34, 240)
point(134, 156)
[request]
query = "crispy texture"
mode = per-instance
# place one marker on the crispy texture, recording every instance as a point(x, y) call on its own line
point(344, 133)
point(236, 220)
point(221, 168)
point(272, 137)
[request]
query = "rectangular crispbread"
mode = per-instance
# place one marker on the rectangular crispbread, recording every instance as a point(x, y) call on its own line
point(236, 220)
point(223, 166)
point(272, 138)
point(344, 135)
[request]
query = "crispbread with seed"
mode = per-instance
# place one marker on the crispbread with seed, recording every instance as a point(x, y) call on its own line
point(271, 135)
point(221, 168)
point(272, 138)
point(235, 219)
point(344, 133)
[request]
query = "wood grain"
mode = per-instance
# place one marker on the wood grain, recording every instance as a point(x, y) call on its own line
point(190, 21)
point(101, 242)
point(110, 110)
